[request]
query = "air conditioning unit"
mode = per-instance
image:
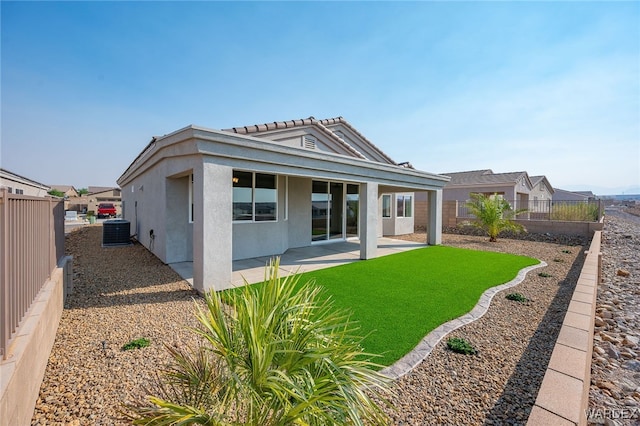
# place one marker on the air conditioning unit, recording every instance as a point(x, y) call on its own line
point(116, 232)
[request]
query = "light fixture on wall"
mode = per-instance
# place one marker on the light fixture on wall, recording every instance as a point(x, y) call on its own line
point(235, 180)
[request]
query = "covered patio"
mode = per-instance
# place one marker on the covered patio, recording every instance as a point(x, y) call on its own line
point(302, 259)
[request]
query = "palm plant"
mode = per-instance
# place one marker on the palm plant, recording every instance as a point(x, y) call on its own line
point(275, 354)
point(493, 214)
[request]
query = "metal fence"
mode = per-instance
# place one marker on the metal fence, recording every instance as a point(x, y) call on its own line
point(569, 210)
point(31, 243)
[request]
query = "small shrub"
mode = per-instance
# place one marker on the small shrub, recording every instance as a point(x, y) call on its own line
point(566, 251)
point(461, 346)
point(544, 275)
point(557, 259)
point(517, 297)
point(136, 344)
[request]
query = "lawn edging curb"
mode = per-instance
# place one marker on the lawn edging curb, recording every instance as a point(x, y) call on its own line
point(411, 360)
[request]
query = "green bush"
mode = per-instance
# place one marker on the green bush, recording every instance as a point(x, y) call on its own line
point(544, 275)
point(281, 354)
point(517, 297)
point(136, 344)
point(461, 346)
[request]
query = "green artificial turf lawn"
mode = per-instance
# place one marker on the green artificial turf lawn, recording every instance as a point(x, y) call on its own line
point(398, 299)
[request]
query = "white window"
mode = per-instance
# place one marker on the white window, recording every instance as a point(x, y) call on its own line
point(255, 196)
point(404, 205)
point(386, 205)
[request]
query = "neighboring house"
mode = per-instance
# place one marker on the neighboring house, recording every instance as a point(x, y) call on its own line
point(564, 195)
point(99, 195)
point(95, 196)
point(16, 184)
point(588, 194)
point(214, 196)
point(540, 196)
point(68, 190)
point(513, 186)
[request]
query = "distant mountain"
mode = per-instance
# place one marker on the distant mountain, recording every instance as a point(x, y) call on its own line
point(622, 197)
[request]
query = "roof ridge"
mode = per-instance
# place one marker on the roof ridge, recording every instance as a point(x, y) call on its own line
point(340, 119)
point(255, 128)
point(338, 139)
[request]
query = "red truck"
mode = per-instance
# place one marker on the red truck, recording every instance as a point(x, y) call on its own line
point(106, 210)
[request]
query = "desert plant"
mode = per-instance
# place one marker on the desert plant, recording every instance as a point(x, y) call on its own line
point(571, 211)
point(280, 354)
point(461, 346)
point(544, 274)
point(493, 214)
point(136, 344)
point(517, 297)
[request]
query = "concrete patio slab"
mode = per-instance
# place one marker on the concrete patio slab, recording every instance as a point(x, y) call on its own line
point(302, 259)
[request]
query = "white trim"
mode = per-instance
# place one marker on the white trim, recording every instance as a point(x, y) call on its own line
point(286, 198)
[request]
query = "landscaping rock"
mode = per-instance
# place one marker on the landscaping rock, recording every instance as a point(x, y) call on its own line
point(125, 293)
point(619, 296)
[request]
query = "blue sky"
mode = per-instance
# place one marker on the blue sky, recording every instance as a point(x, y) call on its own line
point(551, 88)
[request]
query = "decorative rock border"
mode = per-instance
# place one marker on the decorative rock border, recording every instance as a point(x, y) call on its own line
point(411, 360)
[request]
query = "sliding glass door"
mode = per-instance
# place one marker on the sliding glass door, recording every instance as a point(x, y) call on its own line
point(334, 210)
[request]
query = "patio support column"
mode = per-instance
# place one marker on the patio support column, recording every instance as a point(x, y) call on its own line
point(434, 228)
point(212, 227)
point(368, 220)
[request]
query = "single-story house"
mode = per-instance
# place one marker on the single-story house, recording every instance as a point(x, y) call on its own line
point(92, 199)
point(214, 196)
point(564, 195)
point(540, 196)
point(512, 186)
point(68, 190)
point(16, 184)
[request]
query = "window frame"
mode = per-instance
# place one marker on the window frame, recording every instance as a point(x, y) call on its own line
point(388, 197)
point(253, 197)
point(404, 198)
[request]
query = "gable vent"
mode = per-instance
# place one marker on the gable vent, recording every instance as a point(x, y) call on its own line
point(309, 142)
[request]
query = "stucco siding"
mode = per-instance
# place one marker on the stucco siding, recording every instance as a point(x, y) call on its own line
point(154, 201)
point(255, 239)
point(404, 225)
point(299, 220)
point(177, 219)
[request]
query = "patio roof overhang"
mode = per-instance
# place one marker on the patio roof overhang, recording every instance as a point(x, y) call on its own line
point(246, 152)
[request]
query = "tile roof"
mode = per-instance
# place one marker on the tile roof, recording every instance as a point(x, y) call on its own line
point(319, 124)
point(94, 189)
point(484, 177)
point(10, 175)
point(63, 188)
point(536, 179)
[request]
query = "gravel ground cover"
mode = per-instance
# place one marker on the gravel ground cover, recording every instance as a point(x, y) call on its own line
point(499, 385)
point(614, 397)
point(122, 294)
